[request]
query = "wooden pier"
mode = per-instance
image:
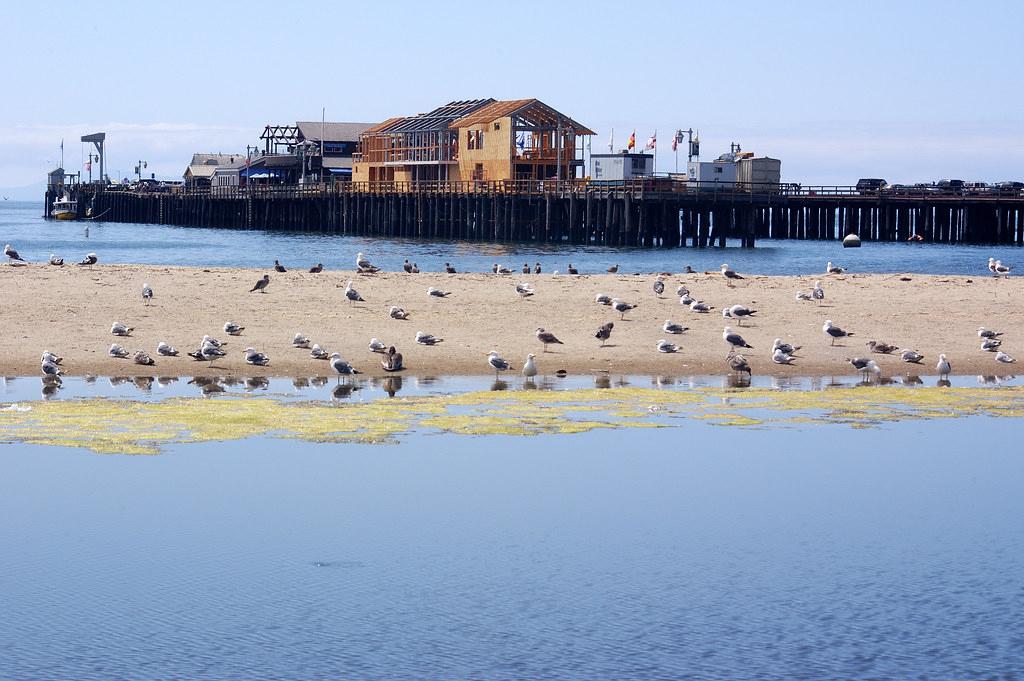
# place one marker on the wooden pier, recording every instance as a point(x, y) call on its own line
point(648, 213)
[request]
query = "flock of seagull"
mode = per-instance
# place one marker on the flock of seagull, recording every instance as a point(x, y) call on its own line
point(210, 349)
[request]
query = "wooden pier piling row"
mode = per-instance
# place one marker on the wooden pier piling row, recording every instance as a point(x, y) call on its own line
point(646, 214)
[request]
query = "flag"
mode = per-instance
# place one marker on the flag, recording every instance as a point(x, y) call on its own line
point(611, 141)
point(88, 166)
point(521, 141)
point(652, 142)
point(632, 142)
point(675, 143)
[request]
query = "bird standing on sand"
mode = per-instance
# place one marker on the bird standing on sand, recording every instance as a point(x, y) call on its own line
point(427, 339)
point(317, 268)
point(396, 312)
point(604, 333)
point(261, 284)
point(438, 293)
point(497, 363)
point(665, 346)
point(523, 290)
point(818, 293)
point(833, 269)
point(739, 313)
point(729, 274)
point(89, 259)
point(658, 286)
point(278, 267)
point(1002, 270)
point(352, 294)
point(12, 254)
point(864, 365)
point(834, 331)
point(233, 329)
point(364, 266)
point(147, 293)
point(943, 367)
point(119, 329)
point(255, 358)
point(671, 327)
point(739, 364)
point(621, 307)
point(530, 367)
point(734, 340)
point(547, 338)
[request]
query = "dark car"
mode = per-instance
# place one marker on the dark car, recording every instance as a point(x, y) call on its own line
point(870, 185)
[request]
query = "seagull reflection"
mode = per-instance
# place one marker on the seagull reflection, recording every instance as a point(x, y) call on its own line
point(318, 381)
point(737, 380)
point(499, 385)
point(143, 383)
point(166, 380)
point(300, 383)
point(115, 381)
point(257, 383)
point(343, 391)
point(943, 383)
point(603, 382)
point(391, 385)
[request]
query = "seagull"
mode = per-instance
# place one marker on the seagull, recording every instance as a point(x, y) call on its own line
point(547, 338)
point(256, 358)
point(1004, 358)
point(779, 356)
point(739, 364)
point(496, 362)
point(689, 270)
point(117, 351)
point(665, 346)
point(233, 329)
point(365, 266)
point(342, 367)
point(449, 269)
point(407, 266)
point(671, 327)
point(734, 340)
point(614, 269)
point(658, 286)
point(864, 365)
point(524, 290)
point(991, 344)
point(804, 295)
point(818, 293)
point(777, 344)
point(572, 270)
point(207, 340)
point(54, 260)
point(261, 284)
point(141, 357)
point(988, 333)
point(729, 274)
point(50, 369)
point(278, 267)
point(12, 254)
point(50, 357)
point(352, 294)
point(377, 345)
point(833, 269)
point(739, 312)
point(438, 293)
point(530, 367)
point(992, 265)
point(603, 299)
point(317, 268)
point(834, 331)
point(317, 352)
point(1001, 269)
point(500, 269)
point(166, 350)
point(604, 333)
point(147, 293)
point(682, 291)
point(911, 356)
point(700, 306)
point(392, 360)
point(943, 367)
point(536, 268)
point(621, 307)
point(686, 299)
point(397, 313)
point(300, 341)
point(89, 259)
point(119, 329)
point(881, 348)
point(427, 339)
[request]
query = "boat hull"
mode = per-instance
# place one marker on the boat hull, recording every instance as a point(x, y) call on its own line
point(63, 215)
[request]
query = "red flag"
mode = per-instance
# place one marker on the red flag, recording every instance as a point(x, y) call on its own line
point(632, 142)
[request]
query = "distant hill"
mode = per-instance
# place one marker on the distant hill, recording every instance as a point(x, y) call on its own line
point(30, 192)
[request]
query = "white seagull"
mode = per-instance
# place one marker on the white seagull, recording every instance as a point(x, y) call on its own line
point(530, 367)
point(119, 329)
point(377, 345)
point(833, 269)
point(117, 351)
point(352, 294)
point(496, 362)
point(147, 293)
point(734, 340)
point(671, 327)
point(341, 367)
point(943, 367)
point(300, 341)
point(665, 346)
point(397, 313)
point(166, 350)
point(256, 358)
point(233, 329)
point(1004, 358)
point(437, 293)
point(834, 331)
point(427, 339)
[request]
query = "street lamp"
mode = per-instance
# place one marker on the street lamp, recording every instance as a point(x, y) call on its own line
point(139, 168)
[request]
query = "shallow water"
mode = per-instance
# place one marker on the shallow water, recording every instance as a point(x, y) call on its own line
point(21, 224)
point(690, 551)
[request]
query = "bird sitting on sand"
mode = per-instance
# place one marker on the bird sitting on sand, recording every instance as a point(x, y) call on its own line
point(804, 295)
point(686, 299)
point(352, 294)
point(300, 341)
point(734, 340)
point(166, 350)
point(278, 267)
point(1004, 358)
point(911, 356)
point(834, 331)
point(392, 360)
point(833, 269)
point(864, 365)
point(572, 270)
point(701, 306)
point(614, 269)
point(988, 333)
point(536, 268)
point(1002, 270)
point(496, 362)
point(547, 338)
point(396, 312)
point(671, 327)
point(622, 307)
point(12, 254)
point(689, 270)
point(682, 291)
point(523, 290)
point(407, 266)
point(89, 259)
point(739, 364)
point(779, 356)
point(143, 358)
point(255, 358)
point(530, 367)
point(427, 339)
point(604, 333)
point(526, 268)
point(147, 293)
point(665, 346)
point(341, 367)
point(317, 268)
point(449, 269)
point(317, 352)
point(787, 348)
point(991, 344)
point(881, 348)
point(119, 329)
point(377, 345)
point(261, 284)
point(603, 299)
point(943, 367)
point(233, 329)
point(729, 274)
point(818, 293)
point(438, 293)
point(117, 351)
point(501, 269)
point(364, 266)
point(55, 261)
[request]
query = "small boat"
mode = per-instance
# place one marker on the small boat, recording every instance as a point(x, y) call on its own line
point(64, 208)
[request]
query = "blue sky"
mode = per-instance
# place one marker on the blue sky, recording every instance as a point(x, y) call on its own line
point(907, 91)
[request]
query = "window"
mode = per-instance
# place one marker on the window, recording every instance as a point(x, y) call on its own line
point(474, 139)
point(718, 170)
point(497, 126)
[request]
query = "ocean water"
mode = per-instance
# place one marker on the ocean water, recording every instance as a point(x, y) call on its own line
point(693, 551)
point(22, 225)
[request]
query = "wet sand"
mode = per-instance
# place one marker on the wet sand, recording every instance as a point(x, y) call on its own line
point(69, 310)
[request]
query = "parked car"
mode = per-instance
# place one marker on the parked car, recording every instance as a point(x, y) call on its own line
point(950, 186)
point(870, 185)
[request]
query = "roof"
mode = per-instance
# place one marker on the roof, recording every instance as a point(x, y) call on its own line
point(332, 132)
point(439, 119)
point(534, 111)
point(203, 165)
point(337, 162)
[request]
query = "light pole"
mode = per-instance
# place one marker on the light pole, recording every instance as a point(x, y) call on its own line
point(139, 167)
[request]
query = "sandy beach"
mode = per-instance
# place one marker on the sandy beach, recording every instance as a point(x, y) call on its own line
point(69, 310)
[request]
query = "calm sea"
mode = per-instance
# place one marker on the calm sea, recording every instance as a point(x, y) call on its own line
point(22, 226)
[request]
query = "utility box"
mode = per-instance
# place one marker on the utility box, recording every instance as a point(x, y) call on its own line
point(759, 174)
point(620, 167)
point(705, 175)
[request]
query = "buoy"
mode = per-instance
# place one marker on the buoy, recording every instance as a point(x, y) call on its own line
point(851, 241)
